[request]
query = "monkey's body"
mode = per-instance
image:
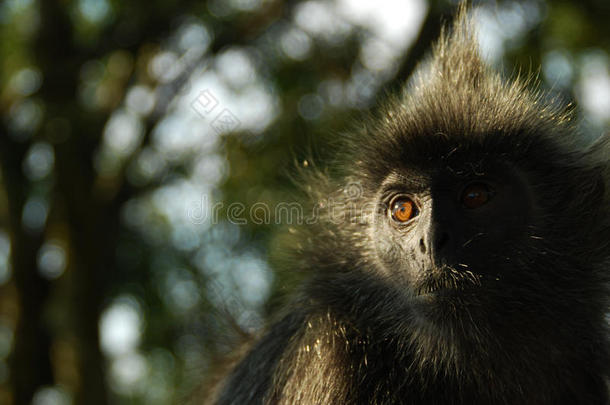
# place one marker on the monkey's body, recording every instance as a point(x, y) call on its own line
point(320, 360)
point(470, 266)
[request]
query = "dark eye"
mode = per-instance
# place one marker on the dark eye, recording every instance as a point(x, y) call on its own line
point(403, 209)
point(476, 195)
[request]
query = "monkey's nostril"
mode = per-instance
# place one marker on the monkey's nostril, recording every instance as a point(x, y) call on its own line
point(422, 246)
point(441, 242)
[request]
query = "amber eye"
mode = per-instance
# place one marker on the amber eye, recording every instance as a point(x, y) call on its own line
point(475, 195)
point(403, 209)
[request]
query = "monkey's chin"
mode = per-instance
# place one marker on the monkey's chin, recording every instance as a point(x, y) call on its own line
point(446, 308)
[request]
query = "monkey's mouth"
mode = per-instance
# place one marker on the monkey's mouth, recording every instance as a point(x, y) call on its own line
point(437, 290)
point(432, 287)
point(447, 282)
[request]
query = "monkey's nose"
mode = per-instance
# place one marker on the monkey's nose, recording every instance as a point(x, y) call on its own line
point(422, 246)
point(441, 242)
point(437, 245)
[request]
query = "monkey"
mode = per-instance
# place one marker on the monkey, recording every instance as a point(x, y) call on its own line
point(460, 255)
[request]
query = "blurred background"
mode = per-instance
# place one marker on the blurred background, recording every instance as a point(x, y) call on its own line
point(144, 144)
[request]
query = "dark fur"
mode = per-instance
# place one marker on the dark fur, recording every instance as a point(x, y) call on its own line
point(534, 332)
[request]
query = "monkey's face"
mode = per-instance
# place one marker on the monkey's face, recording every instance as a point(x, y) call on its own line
point(452, 231)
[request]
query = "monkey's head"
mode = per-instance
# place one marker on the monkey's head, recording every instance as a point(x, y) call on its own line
point(470, 196)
